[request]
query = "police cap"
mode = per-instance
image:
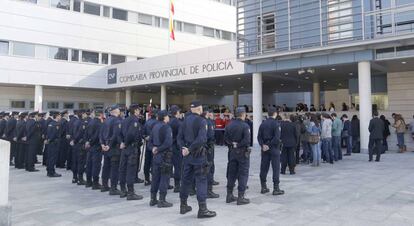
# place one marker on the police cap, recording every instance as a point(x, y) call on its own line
point(174, 109)
point(195, 103)
point(161, 115)
point(113, 107)
point(271, 111)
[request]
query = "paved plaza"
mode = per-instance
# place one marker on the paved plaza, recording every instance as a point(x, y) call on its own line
point(351, 192)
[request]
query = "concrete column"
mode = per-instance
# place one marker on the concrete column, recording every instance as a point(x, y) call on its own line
point(128, 98)
point(117, 97)
point(5, 207)
point(38, 98)
point(235, 99)
point(163, 97)
point(257, 105)
point(316, 98)
point(365, 102)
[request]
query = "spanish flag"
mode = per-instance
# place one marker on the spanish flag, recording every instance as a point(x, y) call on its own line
point(172, 36)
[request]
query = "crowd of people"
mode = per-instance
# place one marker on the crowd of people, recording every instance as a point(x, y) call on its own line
point(108, 148)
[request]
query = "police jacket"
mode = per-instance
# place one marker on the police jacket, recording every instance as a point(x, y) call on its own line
point(3, 124)
point(288, 134)
point(79, 129)
point(20, 131)
point(93, 132)
point(52, 132)
point(63, 131)
point(161, 137)
point(33, 131)
point(269, 133)
point(10, 128)
point(111, 130)
point(193, 132)
point(132, 131)
point(175, 125)
point(237, 131)
point(210, 131)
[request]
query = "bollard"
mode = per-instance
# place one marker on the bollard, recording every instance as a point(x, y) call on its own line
point(5, 207)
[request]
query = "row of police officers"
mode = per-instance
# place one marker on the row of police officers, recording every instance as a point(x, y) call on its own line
point(113, 147)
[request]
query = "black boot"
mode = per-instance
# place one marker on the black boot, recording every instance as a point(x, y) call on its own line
point(147, 183)
point(170, 187)
point(184, 207)
point(176, 186)
point(74, 180)
point(230, 197)
point(139, 180)
point(203, 212)
point(162, 203)
point(114, 191)
point(153, 200)
point(211, 194)
point(105, 186)
point(96, 186)
point(131, 194)
point(81, 181)
point(123, 192)
point(264, 188)
point(88, 184)
point(241, 200)
point(277, 191)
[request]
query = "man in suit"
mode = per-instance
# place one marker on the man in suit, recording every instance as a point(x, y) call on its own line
point(376, 135)
point(289, 138)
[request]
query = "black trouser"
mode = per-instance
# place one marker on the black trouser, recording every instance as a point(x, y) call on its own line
point(375, 146)
point(13, 150)
point(271, 156)
point(147, 163)
point(288, 158)
point(31, 151)
point(63, 152)
point(20, 155)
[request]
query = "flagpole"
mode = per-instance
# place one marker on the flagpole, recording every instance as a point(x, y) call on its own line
point(169, 24)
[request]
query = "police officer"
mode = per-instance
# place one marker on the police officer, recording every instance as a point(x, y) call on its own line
point(237, 138)
point(33, 135)
point(177, 157)
point(269, 140)
point(3, 123)
point(64, 142)
point(72, 120)
point(94, 152)
point(131, 141)
point(78, 150)
point(52, 138)
point(9, 135)
point(110, 146)
point(43, 131)
point(210, 153)
point(149, 124)
point(160, 141)
point(21, 140)
point(192, 139)
point(45, 153)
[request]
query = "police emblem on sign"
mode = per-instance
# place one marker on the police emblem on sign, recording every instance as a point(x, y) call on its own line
point(112, 76)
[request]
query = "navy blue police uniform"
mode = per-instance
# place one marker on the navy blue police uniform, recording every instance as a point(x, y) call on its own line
point(269, 135)
point(160, 142)
point(3, 124)
point(149, 124)
point(177, 157)
point(94, 152)
point(64, 143)
point(20, 138)
point(52, 138)
point(78, 151)
point(210, 156)
point(45, 152)
point(237, 138)
point(33, 134)
point(193, 136)
point(9, 135)
point(131, 136)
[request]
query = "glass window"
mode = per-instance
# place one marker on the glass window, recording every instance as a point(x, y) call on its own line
point(403, 2)
point(75, 55)
point(165, 23)
point(190, 28)
point(23, 49)
point(31, 104)
point(53, 105)
point(178, 25)
point(58, 53)
point(98, 106)
point(385, 53)
point(17, 104)
point(106, 11)
point(405, 51)
point(83, 105)
point(77, 5)
point(91, 8)
point(61, 4)
point(209, 32)
point(226, 35)
point(30, 1)
point(117, 59)
point(68, 105)
point(157, 21)
point(145, 19)
point(4, 48)
point(119, 14)
point(104, 58)
point(217, 33)
point(90, 57)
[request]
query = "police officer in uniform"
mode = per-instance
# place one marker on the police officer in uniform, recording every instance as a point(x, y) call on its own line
point(52, 139)
point(69, 135)
point(33, 134)
point(21, 140)
point(160, 141)
point(269, 140)
point(3, 123)
point(78, 150)
point(43, 130)
point(131, 141)
point(45, 153)
point(64, 142)
point(110, 146)
point(149, 124)
point(177, 158)
point(9, 135)
point(210, 153)
point(192, 139)
point(237, 138)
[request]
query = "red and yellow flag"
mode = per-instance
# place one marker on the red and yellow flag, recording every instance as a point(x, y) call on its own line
point(172, 36)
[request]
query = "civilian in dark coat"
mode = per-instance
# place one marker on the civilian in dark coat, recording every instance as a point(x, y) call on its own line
point(386, 132)
point(288, 136)
point(355, 134)
point(376, 135)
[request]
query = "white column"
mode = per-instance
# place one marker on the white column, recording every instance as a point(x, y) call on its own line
point(257, 105)
point(5, 207)
point(163, 97)
point(117, 97)
point(128, 98)
point(316, 98)
point(38, 98)
point(235, 99)
point(365, 102)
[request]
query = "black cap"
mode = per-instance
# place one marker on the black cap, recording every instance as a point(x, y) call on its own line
point(54, 113)
point(2, 114)
point(24, 113)
point(14, 113)
point(33, 113)
point(42, 114)
point(75, 111)
point(161, 115)
point(271, 111)
point(133, 107)
point(6, 113)
point(64, 112)
point(80, 111)
point(174, 109)
point(88, 111)
point(113, 107)
point(240, 110)
point(195, 103)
